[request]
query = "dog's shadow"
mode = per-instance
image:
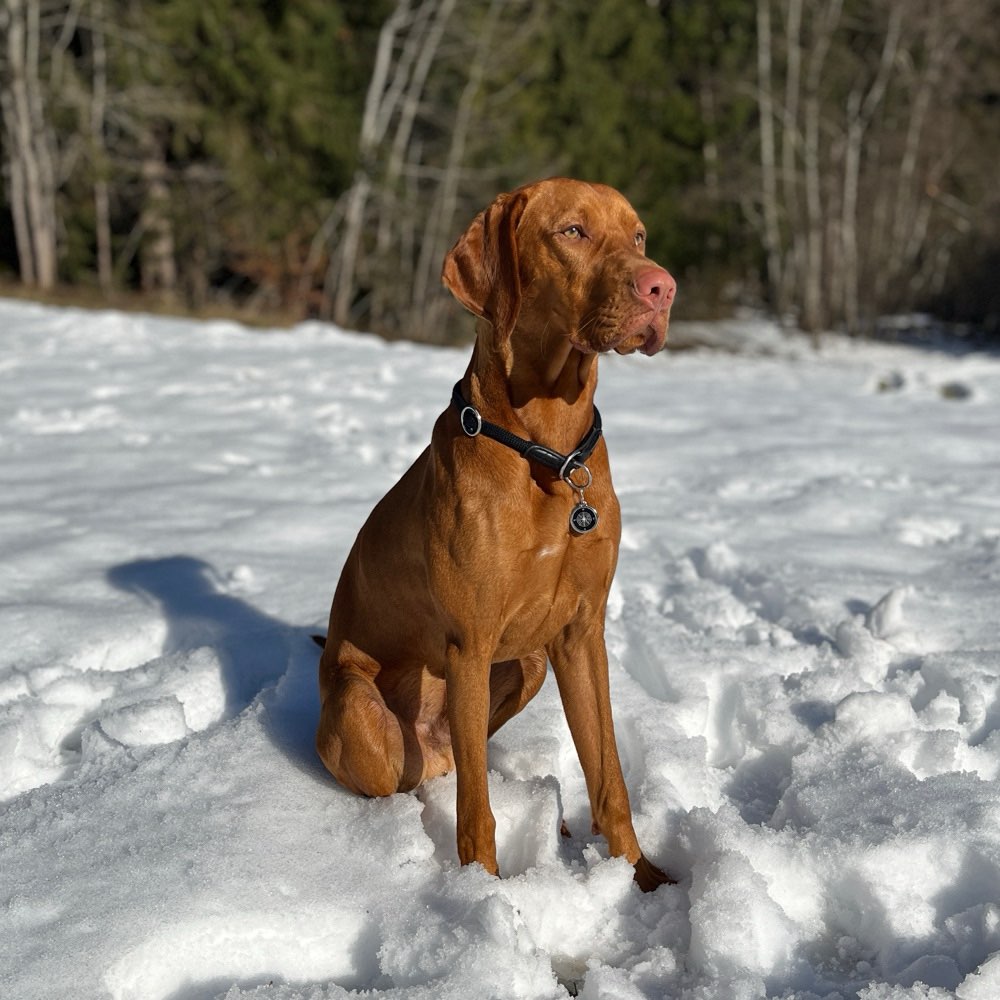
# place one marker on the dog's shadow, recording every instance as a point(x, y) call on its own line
point(261, 657)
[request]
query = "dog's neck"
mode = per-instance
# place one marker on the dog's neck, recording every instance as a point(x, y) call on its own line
point(542, 389)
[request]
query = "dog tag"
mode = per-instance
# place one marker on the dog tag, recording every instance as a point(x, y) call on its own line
point(582, 518)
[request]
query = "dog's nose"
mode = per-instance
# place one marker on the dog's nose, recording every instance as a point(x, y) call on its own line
point(655, 287)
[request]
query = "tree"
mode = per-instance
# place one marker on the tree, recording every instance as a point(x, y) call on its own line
point(451, 117)
point(29, 143)
point(435, 69)
point(868, 101)
point(320, 156)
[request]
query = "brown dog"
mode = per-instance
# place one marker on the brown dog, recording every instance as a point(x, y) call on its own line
point(490, 557)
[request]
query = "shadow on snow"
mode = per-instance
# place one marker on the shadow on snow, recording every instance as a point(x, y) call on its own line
point(261, 657)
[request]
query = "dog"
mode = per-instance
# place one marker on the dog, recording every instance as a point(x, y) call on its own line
point(494, 553)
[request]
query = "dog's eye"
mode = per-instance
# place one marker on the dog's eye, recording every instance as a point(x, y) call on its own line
point(573, 232)
point(640, 238)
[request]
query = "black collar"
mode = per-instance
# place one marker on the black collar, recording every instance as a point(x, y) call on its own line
point(473, 424)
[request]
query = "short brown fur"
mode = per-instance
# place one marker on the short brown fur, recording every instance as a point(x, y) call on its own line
point(466, 578)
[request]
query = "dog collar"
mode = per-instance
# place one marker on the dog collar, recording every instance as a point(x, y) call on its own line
point(582, 518)
point(565, 465)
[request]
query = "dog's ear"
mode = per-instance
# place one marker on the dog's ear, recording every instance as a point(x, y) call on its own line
point(482, 269)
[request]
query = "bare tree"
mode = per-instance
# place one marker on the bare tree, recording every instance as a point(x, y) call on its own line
point(28, 143)
point(436, 96)
point(407, 46)
point(768, 167)
point(848, 221)
point(862, 104)
point(98, 112)
point(157, 255)
point(440, 221)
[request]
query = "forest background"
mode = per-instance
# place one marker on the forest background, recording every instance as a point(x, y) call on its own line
point(832, 161)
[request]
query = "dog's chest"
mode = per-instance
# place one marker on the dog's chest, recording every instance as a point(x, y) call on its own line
point(550, 586)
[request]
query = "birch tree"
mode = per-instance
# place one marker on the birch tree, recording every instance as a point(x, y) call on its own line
point(428, 86)
point(850, 209)
point(29, 145)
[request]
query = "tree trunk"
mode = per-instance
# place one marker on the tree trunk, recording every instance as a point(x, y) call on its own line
point(27, 144)
point(441, 220)
point(157, 257)
point(343, 265)
point(98, 107)
point(421, 50)
point(909, 222)
point(860, 112)
point(813, 315)
point(769, 180)
point(790, 144)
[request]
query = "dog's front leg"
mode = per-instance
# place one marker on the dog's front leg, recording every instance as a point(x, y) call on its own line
point(468, 679)
point(580, 663)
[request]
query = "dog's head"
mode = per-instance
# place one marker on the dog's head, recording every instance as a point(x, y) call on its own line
point(563, 256)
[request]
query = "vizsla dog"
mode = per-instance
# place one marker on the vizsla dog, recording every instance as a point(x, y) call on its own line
point(495, 551)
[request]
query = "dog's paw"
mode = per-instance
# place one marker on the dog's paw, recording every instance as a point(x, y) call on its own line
point(648, 876)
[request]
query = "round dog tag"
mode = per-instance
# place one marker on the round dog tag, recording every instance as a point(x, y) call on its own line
point(582, 518)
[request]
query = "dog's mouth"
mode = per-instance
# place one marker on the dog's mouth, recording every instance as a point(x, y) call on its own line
point(640, 329)
point(649, 338)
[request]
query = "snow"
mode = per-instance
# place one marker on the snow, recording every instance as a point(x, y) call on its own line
point(804, 661)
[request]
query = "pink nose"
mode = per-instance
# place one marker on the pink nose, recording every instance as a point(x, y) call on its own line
point(655, 287)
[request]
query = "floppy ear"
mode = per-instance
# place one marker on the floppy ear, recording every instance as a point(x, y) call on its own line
point(482, 270)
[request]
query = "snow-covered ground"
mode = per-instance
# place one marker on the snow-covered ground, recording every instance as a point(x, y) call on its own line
point(805, 669)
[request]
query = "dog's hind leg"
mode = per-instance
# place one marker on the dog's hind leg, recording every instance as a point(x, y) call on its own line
point(359, 739)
